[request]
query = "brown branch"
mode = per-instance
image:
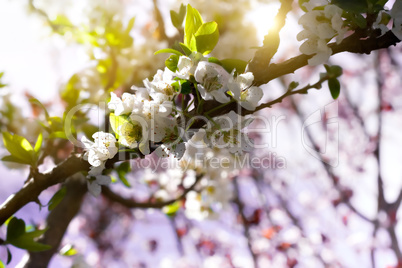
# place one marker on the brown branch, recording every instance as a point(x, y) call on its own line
point(353, 44)
point(131, 203)
point(34, 186)
point(328, 170)
point(240, 207)
point(40, 182)
point(58, 220)
point(263, 56)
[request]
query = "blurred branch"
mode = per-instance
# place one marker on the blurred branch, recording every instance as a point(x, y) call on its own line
point(240, 207)
point(383, 205)
point(130, 203)
point(34, 186)
point(353, 43)
point(263, 56)
point(328, 170)
point(58, 221)
point(290, 92)
point(40, 182)
point(161, 23)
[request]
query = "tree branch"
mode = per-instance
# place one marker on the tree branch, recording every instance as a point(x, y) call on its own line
point(263, 56)
point(58, 220)
point(353, 44)
point(131, 203)
point(240, 207)
point(34, 186)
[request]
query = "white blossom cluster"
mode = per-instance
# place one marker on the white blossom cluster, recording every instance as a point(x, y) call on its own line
point(97, 153)
point(151, 116)
point(320, 26)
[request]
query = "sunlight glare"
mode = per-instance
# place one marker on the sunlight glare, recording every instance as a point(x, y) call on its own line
point(263, 18)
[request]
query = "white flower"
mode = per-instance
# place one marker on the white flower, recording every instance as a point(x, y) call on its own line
point(97, 152)
point(226, 133)
point(248, 96)
point(95, 184)
point(186, 65)
point(160, 88)
point(212, 79)
point(320, 26)
point(102, 149)
point(121, 106)
point(172, 143)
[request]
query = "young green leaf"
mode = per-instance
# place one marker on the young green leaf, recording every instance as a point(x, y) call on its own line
point(20, 148)
point(168, 50)
point(68, 250)
point(334, 87)
point(57, 198)
point(15, 228)
point(177, 18)
point(2, 265)
point(38, 143)
point(193, 22)
point(214, 60)
point(116, 122)
point(231, 64)
point(171, 210)
point(17, 236)
point(206, 37)
point(130, 26)
point(171, 62)
point(38, 103)
point(122, 171)
point(185, 49)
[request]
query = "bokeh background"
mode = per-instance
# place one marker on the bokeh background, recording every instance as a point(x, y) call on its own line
point(329, 164)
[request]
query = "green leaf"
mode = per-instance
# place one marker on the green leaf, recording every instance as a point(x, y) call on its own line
point(116, 122)
point(9, 256)
point(206, 37)
point(231, 64)
point(11, 158)
point(334, 87)
point(334, 70)
point(2, 265)
point(19, 147)
point(214, 60)
point(193, 22)
point(359, 20)
point(17, 236)
point(38, 103)
point(171, 210)
point(68, 250)
point(183, 86)
point(15, 228)
point(130, 26)
point(185, 49)
point(122, 171)
point(57, 198)
point(168, 50)
point(38, 143)
point(70, 93)
point(355, 6)
point(58, 134)
point(177, 18)
point(171, 62)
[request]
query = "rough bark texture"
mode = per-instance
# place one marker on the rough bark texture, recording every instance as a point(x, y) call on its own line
point(58, 220)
